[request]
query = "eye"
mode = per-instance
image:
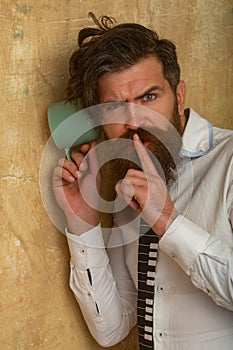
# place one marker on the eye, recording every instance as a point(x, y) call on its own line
point(149, 97)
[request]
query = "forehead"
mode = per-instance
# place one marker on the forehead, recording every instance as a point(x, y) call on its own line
point(131, 82)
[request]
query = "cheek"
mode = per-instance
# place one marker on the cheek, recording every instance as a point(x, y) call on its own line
point(165, 112)
point(166, 108)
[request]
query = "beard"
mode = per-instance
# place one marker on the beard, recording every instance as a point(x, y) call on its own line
point(160, 143)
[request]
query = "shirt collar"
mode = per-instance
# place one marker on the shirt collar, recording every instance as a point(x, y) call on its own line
point(197, 137)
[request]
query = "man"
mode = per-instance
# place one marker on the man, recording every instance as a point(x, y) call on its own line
point(192, 288)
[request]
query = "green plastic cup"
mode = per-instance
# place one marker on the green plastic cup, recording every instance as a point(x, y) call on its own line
point(70, 126)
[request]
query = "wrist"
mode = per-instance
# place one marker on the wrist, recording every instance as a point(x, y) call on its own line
point(163, 223)
point(78, 226)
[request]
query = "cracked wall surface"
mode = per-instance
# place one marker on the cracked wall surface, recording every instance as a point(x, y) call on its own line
point(37, 308)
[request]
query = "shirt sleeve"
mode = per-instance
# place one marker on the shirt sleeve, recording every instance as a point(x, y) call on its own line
point(107, 296)
point(205, 258)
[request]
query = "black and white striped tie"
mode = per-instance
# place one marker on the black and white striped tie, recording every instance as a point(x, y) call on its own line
point(147, 258)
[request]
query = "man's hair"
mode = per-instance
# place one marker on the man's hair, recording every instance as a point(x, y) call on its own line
point(110, 48)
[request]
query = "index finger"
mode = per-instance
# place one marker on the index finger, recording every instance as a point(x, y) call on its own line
point(146, 162)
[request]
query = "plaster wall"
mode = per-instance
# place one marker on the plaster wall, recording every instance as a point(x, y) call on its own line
point(37, 308)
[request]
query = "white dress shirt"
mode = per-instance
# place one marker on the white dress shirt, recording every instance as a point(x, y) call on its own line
point(194, 274)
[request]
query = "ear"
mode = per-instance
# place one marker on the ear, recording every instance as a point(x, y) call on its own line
point(181, 95)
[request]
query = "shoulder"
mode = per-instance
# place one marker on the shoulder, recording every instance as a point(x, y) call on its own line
point(223, 137)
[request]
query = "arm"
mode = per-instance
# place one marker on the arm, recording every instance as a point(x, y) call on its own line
point(100, 281)
point(103, 287)
point(205, 258)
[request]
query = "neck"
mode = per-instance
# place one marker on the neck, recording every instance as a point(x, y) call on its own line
point(183, 122)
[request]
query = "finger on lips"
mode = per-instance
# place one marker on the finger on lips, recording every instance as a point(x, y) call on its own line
point(143, 154)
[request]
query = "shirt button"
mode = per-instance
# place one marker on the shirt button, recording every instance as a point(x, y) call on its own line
point(83, 251)
point(160, 289)
point(173, 255)
point(160, 334)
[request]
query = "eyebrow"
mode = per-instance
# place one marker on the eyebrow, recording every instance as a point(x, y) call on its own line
point(149, 91)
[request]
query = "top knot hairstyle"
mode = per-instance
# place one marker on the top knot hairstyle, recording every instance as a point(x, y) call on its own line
point(110, 48)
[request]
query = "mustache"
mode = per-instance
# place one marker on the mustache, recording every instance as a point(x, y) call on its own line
point(160, 143)
point(142, 133)
point(124, 155)
point(166, 139)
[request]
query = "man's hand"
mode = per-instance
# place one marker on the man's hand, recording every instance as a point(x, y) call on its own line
point(74, 186)
point(147, 193)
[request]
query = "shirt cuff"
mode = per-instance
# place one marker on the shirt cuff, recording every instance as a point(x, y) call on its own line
point(87, 250)
point(183, 241)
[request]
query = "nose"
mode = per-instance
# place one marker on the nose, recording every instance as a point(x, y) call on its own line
point(133, 119)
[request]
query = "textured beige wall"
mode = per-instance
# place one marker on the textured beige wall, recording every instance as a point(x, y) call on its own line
point(37, 309)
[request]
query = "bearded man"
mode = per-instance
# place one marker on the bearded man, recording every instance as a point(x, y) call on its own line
point(181, 294)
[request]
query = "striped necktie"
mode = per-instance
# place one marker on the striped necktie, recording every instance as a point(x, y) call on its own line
point(147, 257)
